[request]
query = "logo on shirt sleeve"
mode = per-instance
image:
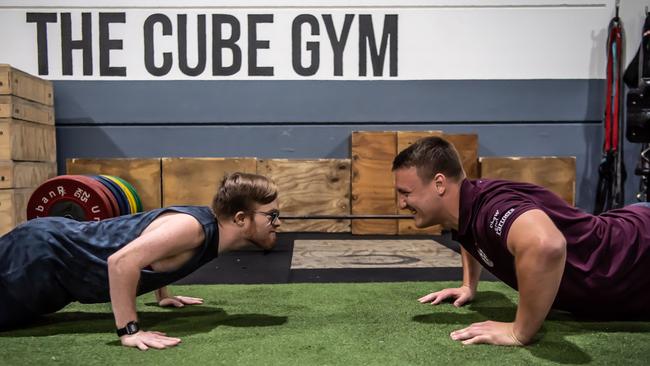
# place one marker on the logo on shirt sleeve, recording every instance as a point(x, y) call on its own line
point(497, 223)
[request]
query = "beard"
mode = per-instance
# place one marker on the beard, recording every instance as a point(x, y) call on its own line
point(264, 239)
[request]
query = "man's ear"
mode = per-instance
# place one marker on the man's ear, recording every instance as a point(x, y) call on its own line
point(239, 217)
point(440, 183)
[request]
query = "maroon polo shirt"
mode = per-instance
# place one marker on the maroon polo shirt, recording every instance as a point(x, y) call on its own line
point(607, 271)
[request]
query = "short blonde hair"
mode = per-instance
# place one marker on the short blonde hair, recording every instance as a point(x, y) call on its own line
point(240, 192)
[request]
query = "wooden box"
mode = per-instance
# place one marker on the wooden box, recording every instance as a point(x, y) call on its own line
point(467, 146)
point(311, 187)
point(143, 174)
point(13, 207)
point(194, 181)
point(24, 85)
point(25, 174)
point(373, 188)
point(26, 141)
point(558, 174)
point(19, 108)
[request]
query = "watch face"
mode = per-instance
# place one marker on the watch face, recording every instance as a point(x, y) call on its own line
point(132, 327)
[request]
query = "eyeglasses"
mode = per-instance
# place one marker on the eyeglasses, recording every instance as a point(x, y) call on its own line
point(273, 216)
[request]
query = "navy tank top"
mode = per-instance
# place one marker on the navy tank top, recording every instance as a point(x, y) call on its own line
point(46, 263)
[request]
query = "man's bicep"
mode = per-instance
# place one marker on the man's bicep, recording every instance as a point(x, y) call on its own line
point(179, 233)
point(530, 227)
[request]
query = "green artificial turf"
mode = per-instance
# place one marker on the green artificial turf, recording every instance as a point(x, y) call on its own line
point(320, 324)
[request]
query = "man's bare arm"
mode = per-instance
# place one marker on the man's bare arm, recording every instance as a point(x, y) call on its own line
point(539, 249)
point(178, 234)
point(463, 294)
point(471, 270)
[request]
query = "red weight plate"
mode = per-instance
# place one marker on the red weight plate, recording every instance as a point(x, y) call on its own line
point(99, 188)
point(72, 189)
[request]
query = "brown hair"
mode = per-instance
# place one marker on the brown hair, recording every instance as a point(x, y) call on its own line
point(430, 156)
point(240, 192)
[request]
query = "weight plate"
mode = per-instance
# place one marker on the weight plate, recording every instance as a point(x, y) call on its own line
point(71, 196)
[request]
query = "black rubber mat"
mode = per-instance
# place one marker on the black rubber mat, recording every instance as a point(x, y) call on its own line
point(256, 266)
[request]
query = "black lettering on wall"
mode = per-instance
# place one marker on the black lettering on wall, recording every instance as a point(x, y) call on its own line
point(41, 20)
point(338, 44)
point(106, 44)
point(312, 47)
point(367, 37)
point(254, 44)
point(219, 43)
point(182, 45)
point(149, 45)
point(84, 44)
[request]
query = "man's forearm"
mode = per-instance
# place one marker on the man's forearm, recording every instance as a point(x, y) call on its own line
point(539, 272)
point(123, 280)
point(471, 270)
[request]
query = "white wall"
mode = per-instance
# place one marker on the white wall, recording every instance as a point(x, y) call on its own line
point(437, 40)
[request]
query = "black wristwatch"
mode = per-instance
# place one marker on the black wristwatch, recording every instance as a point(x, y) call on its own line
point(130, 328)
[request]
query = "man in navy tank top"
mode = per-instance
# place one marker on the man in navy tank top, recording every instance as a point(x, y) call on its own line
point(46, 263)
point(555, 255)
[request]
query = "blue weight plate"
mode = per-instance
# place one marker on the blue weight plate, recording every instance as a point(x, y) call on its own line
point(117, 194)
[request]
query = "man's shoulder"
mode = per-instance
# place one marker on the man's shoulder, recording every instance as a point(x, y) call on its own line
point(498, 200)
point(203, 214)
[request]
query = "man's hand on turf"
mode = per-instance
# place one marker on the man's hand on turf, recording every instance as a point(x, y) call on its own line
point(461, 296)
point(179, 301)
point(488, 332)
point(145, 340)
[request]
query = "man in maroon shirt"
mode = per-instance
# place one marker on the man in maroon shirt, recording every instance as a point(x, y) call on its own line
point(555, 255)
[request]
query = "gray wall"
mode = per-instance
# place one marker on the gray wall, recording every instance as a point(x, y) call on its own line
point(314, 119)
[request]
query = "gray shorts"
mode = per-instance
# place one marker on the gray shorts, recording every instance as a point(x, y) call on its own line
point(642, 204)
point(12, 312)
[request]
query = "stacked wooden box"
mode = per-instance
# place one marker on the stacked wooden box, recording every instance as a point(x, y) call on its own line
point(27, 141)
point(360, 185)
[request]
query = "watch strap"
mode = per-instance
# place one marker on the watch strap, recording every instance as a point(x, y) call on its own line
point(131, 327)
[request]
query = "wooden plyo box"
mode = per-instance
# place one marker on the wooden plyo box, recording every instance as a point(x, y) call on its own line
point(557, 174)
point(467, 146)
point(24, 85)
point(144, 174)
point(26, 141)
point(13, 207)
point(373, 188)
point(311, 187)
point(19, 174)
point(18, 108)
point(194, 181)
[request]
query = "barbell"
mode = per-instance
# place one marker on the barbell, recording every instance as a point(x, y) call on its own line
point(345, 217)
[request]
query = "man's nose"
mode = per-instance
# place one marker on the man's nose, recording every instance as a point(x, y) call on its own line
point(402, 202)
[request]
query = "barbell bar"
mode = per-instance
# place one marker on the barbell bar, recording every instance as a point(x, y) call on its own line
point(345, 217)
